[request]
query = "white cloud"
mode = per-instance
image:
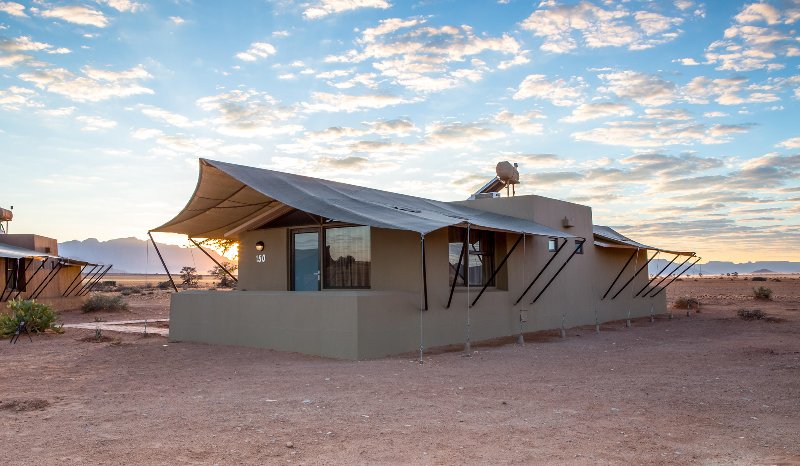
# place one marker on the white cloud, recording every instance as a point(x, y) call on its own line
point(93, 123)
point(563, 26)
point(593, 111)
point(521, 123)
point(257, 50)
point(428, 59)
point(280, 34)
point(15, 98)
point(124, 5)
point(687, 61)
point(13, 9)
point(643, 133)
point(644, 89)
point(328, 102)
point(177, 20)
point(726, 91)
point(146, 133)
point(715, 114)
point(94, 86)
point(248, 113)
point(322, 8)
point(58, 112)
point(759, 12)
point(559, 92)
point(166, 116)
point(792, 143)
point(82, 15)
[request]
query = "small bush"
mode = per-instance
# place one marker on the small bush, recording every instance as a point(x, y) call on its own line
point(762, 292)
point(750, 314)
point(685, 302)
point(101, 302)
point(759, 279)
point(165, 285)
point(38, 317)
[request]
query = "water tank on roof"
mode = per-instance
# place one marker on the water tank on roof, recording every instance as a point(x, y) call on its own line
point(6, 215)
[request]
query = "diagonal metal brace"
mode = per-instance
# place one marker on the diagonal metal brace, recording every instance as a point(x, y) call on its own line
point(496, 270)
point(676, 277)
point(635, 275)
point(578, 247)
point(540, 272)
point(656, 276)
point(620, 273)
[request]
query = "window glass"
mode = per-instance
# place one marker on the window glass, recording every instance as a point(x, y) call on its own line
point(479, 260)
point(579, 246)
point(552, 244)
point(347, 257)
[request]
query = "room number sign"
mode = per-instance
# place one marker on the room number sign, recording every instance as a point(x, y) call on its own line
point(261, 258)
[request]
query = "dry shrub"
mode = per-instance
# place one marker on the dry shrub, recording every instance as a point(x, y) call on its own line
point(31, 404)
point(685, 302)
point(750, 314)
point(762, 292)
point(758, 279)
point(101, 302)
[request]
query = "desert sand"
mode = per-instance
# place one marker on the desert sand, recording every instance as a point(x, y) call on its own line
point(707, 388)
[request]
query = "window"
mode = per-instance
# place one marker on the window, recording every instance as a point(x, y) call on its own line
point(347, 257)
point(579, 246)
point(480, 253)
point(15, 274)
point(552, 244)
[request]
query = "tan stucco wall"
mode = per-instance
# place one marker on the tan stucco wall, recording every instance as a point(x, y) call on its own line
point(34, 242)
point(51, 294)
point(386, 319)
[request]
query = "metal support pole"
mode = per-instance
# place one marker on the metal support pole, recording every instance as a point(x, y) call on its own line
point(34, 274)
point(667, 276)
point(578, 246)
point(66, 290)
point(656, 276)
point(49, 278)
point(8, 278)
point(619, 274)
point(496, 270)
point(16, 272)
point(96, 280)
point(424, 273)
point(92, 276)
point(635, 275)
point(81, 277)
point(162, 261)
point(215, 261)
point(540, 272)
point(468, 345)
point(458, 272)
point(676, 277)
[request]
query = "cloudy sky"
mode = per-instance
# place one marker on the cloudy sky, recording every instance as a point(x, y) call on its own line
point(678, 121)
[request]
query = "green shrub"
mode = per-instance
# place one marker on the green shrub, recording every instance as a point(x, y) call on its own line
point(38, 317)
point(762, 292)
point(684, 302)
point(750, 314)
point(107, 303)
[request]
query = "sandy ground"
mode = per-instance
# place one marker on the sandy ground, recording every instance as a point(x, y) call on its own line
point(709, 388)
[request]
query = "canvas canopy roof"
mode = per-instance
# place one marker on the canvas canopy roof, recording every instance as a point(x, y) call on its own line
point(13, 252)
point(607, 237)
point(230, 199)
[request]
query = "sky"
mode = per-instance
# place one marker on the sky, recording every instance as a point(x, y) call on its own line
point(677, 121)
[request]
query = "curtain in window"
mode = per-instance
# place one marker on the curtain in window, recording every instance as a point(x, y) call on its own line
point(347, 257)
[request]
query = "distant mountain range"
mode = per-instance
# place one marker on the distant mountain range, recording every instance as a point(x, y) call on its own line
point(719, 267)
point(132, 255)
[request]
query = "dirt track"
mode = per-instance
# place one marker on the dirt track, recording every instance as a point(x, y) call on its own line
point(710, 388)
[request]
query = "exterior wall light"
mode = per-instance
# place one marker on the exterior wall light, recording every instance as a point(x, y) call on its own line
point(260, 246)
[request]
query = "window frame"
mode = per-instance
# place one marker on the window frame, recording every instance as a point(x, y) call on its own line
point(552, 244)
point(321, 231)
point(579, 248)
point(488, 240)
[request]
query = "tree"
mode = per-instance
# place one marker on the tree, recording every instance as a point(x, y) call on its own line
point(224, 280)
point(222, 245)
point(189, 277)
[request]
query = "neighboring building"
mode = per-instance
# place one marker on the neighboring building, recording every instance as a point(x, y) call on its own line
point(350, 272)
point(32, 269)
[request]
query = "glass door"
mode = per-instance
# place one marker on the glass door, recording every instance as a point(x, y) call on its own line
point(305, 261)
